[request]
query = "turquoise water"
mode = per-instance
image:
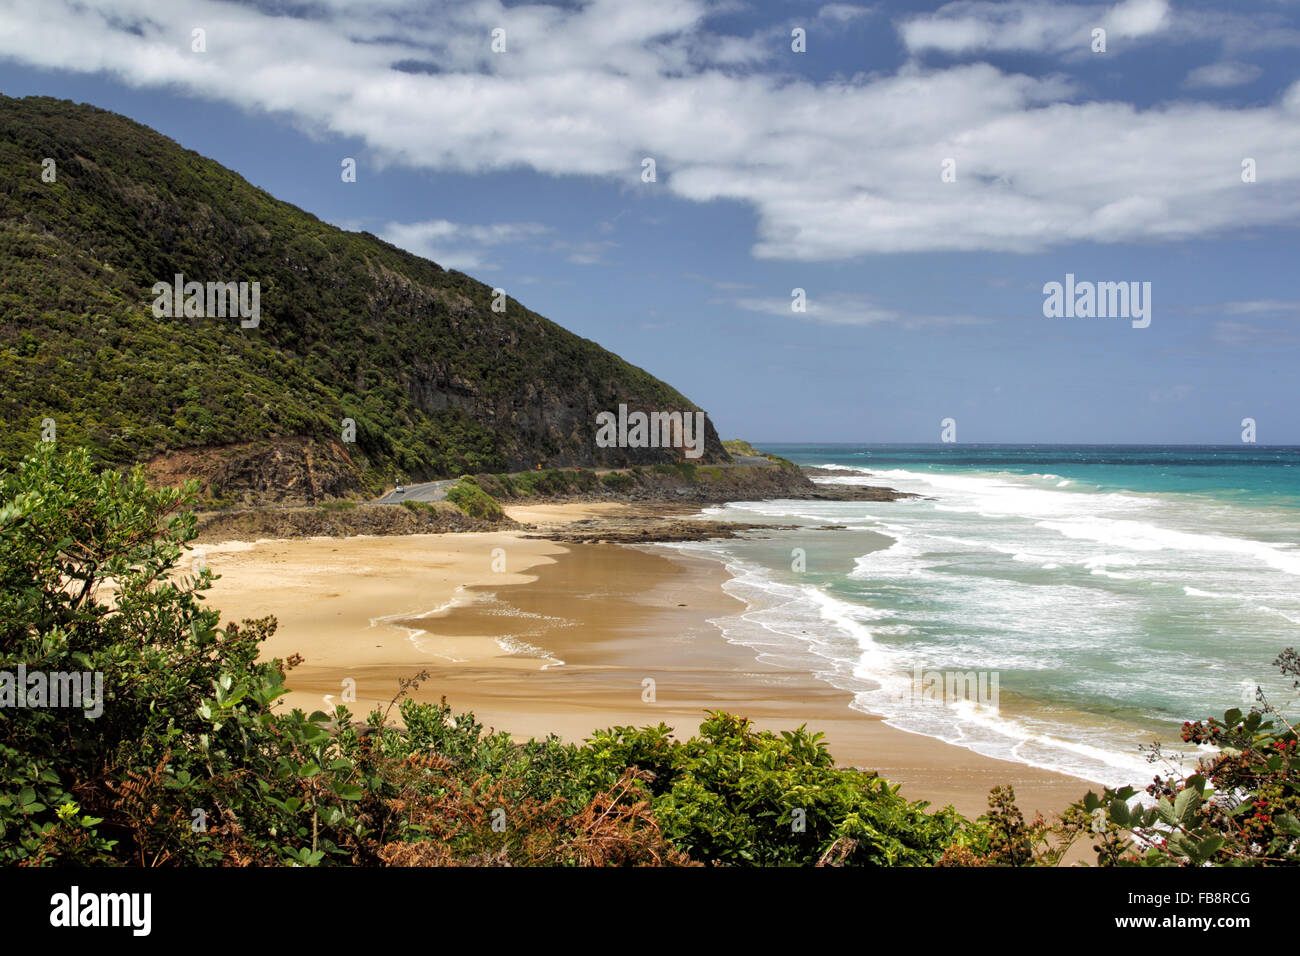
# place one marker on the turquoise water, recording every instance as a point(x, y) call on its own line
point(1263, 474)
point(1101, 594)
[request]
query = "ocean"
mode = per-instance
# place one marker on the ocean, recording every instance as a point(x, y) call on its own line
point(1059, 605)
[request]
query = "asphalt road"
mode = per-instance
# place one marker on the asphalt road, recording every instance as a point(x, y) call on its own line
point(427, 491)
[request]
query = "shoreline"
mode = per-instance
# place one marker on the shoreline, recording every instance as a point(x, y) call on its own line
point(562, 638)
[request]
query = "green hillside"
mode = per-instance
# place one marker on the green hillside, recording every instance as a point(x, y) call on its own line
point(351, 327)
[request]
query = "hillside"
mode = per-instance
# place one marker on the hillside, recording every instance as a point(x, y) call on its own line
point(350, 327)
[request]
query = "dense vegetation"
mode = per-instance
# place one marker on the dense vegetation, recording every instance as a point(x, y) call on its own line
point(473, 500)
point(351, 327)
point(189, 764)
point(738, 446)
point(661, 481)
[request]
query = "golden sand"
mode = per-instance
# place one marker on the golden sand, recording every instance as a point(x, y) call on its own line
point(539, 638)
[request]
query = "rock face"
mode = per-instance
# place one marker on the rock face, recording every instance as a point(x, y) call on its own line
point(434, 374)
point(285, 472)
point(255, 523)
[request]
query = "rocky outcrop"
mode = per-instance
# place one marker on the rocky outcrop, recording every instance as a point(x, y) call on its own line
point(340, 522)
point(291, 471)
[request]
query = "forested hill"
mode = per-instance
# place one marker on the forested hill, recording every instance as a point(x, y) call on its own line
point(351, 327)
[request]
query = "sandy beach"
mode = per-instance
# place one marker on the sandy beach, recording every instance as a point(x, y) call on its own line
point(536, 637)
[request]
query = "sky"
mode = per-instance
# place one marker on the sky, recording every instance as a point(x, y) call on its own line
point(921, 171)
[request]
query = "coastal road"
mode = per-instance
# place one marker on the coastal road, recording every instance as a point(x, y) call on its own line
point(426, 491)
point(437, 490)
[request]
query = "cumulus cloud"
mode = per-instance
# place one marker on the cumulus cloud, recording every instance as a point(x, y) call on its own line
point(833, 169)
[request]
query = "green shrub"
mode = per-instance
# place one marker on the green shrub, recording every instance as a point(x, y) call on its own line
point(736, 446)
point(618, 480)
point(494, 486)
point(473, 500)
point(547, 481)
point(738, 796)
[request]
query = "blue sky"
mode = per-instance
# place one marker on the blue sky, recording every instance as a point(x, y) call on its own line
point(779, 170)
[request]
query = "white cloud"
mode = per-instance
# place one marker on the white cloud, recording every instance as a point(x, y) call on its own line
point(1263, 306)
point(1222, 75)
point(1262, 323)
point(833, 169)
point(1246, 335)
point(1035, 26)
point(456, 245)
point(974, 27)
point(838, 308)
point(843, 12)
point(835, 309)
point(1137, 18)
point(588, 253)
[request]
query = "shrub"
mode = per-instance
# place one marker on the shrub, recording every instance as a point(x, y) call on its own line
point(1241, 807)
point(738, 796)
point(618, 480)
point(736, 446)
point(473, 500)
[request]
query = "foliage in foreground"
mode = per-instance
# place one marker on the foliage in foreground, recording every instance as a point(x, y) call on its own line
point(188, 764)
point(1241, 807)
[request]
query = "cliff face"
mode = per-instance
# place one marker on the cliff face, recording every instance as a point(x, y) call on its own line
point(433, 380)
point(286, 471)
